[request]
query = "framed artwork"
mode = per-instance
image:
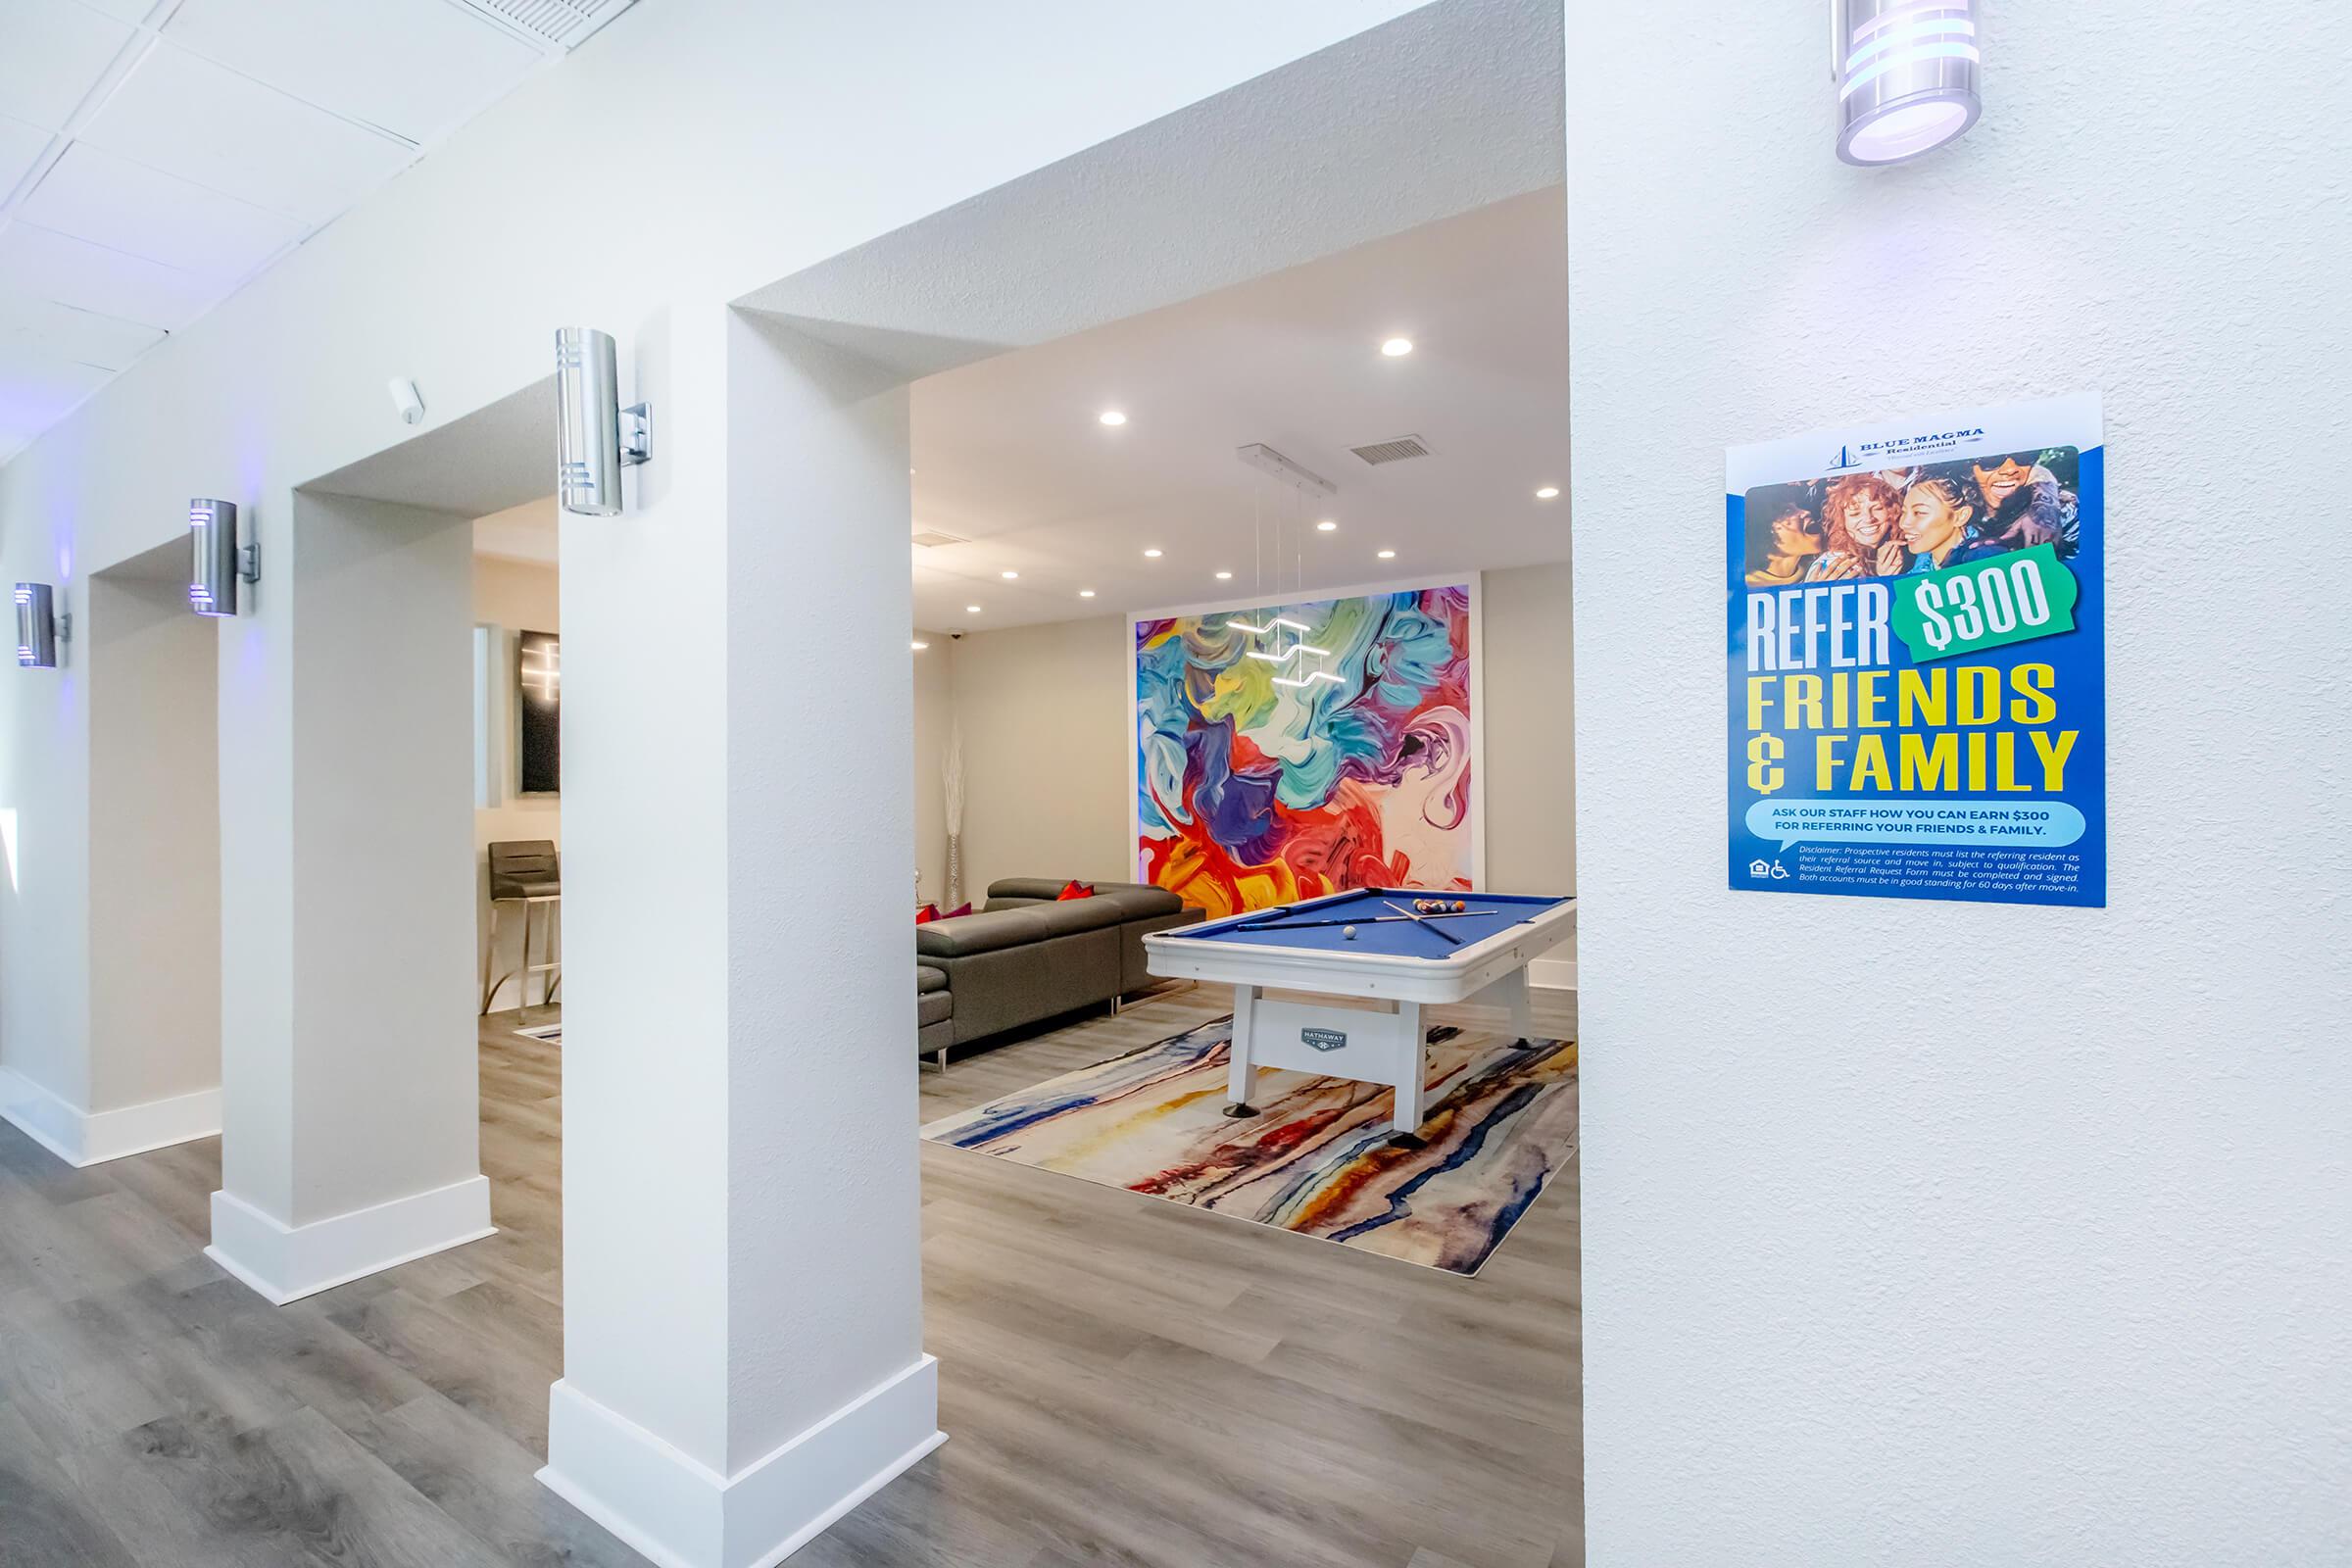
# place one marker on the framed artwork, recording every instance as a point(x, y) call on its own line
point(1283, 750)
point(538, 707)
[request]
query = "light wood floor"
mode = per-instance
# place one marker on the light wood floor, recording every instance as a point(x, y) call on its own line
point(1125, 1382)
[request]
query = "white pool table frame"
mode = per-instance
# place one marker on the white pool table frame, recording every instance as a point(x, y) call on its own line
point(1380, 1046)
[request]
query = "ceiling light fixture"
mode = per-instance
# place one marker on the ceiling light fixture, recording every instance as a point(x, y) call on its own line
point(1397, 348)
point(1326, 526)
point(1547, 493)
point(1151, 554)
point(1224, 576)
point(1009, 575)
point(972, 610)
point(920, 645)
point(1114, 418)
point(1086, 593)
point(1388, 555)
point(1907, 75)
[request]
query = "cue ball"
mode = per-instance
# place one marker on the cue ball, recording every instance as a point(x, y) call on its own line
point(1348, 932)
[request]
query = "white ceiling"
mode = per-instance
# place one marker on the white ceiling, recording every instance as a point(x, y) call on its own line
point(1010, 453)
point(156, 155)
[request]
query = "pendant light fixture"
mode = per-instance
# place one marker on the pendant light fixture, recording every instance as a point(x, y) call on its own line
point(1906, 74)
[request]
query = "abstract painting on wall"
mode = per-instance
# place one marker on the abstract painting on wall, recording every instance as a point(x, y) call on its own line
point(539, 683)
point(1288, 751)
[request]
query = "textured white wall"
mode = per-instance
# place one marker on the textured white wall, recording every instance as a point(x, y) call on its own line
point(154, 858)
point(1923, 1233)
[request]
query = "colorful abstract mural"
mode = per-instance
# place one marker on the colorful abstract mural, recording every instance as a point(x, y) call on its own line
point(1289, 751)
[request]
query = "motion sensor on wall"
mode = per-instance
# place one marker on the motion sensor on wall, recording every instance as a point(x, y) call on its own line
point(955, 636)
point(407, 400)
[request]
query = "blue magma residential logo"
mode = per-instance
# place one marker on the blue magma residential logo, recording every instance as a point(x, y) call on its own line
point(1902, 448)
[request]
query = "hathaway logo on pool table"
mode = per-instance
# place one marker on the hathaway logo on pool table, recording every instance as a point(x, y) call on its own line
point(1323, 1039)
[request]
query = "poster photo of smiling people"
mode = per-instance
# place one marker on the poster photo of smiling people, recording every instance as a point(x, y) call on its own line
point(1888, 523)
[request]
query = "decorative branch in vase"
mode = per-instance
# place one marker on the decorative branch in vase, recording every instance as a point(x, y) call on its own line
point(951, 776)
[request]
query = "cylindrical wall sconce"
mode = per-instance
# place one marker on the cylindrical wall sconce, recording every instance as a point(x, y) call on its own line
point(217, 563)
point(1907, 75)
point(595, 436)
point(37, 625)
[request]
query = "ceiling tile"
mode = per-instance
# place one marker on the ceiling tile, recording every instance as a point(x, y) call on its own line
point(41, 264)
point(20, 147)
point(55, 52)
point(106, 200)
point(185, 116)
point(414, 67)
point(85, 338)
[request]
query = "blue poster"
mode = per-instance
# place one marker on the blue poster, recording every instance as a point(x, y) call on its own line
point(1917, 684)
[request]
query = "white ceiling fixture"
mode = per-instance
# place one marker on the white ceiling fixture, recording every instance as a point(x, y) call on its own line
point(1224, 576)
point(1397, 348)
point(1388, 555)
point(1327, 525)
point(1152, 555)
point(1550, 492)
point(1086, 593)
point(1112, 417)
point(1008, 577)
point(158, 155)
point(920, 645)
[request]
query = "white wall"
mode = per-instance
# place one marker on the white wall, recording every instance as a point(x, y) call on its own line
point(155, 859)
point(934, 719)
point(515, 596)
point(1950, 1232)
point(1045, 769)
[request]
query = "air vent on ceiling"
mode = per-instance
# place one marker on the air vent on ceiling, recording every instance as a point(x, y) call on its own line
point(932, 539)
point(1397, 451)
point(562, 23)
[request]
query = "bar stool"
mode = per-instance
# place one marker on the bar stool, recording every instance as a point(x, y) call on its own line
point(528, 872)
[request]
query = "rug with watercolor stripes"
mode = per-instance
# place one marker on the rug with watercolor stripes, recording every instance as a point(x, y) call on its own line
point(1501, 1119)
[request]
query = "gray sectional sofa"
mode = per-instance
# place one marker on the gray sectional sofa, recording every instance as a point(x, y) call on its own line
point(1025, 958)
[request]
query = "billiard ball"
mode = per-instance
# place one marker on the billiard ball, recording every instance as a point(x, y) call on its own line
point(1348, 932)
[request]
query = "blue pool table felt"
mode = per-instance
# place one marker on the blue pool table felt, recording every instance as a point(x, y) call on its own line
point(1396, 939)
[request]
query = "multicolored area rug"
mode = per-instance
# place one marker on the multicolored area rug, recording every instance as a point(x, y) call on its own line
point(1502, 1120)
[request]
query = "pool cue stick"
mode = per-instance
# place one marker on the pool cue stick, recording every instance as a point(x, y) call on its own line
point(1368, 919)
point(1424, 920)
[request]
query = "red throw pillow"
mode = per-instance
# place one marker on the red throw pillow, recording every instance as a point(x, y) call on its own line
point(1075, 890)
point(958, 911)
point(926, 915)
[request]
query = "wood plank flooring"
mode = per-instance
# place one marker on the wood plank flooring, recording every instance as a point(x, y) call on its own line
point(1124, 1382)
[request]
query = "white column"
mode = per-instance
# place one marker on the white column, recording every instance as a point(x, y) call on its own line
point(351, 1114)
point(742, 1355)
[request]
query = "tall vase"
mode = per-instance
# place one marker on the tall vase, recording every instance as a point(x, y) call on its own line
point(954, 869)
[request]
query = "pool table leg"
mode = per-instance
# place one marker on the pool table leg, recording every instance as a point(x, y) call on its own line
point(1411, 1070)
point(1522, 1005)
point(1241, 1080)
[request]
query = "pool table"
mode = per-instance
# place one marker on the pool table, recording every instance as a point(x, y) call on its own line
point(1370, 966)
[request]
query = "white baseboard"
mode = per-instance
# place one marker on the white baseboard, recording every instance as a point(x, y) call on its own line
point(679, 1514)
point(287, 1263)
point(81, 1137)
point(1552, 974)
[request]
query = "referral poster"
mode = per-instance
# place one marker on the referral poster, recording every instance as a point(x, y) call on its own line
point(1917, 683)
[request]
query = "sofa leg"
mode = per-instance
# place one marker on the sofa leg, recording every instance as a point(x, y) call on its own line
point(1117, 1004)
point(940, 1057)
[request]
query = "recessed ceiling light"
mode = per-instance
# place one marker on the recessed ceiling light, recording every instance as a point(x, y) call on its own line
point(1152, 555)
point(1326, 526)
point(1397, 348)
point(1548, 492)
point(1086, 593)
point(1114, 417)
point(972, 610)
point(1388, 555)
point(1224, 576)
point(921, 646)
point(1009, 575)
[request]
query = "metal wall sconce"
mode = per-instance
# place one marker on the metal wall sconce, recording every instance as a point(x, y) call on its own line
point(39, 627)
point(1906, 74)
point(595, 436)
point(218, 563)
